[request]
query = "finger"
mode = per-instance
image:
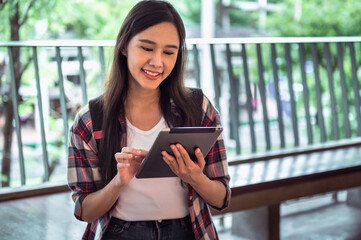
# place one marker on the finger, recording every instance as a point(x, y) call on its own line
point(122, 165)
point(140, 152)
point(200, 158)
point(127, 150)
point(170, 160)
point(139, 155)
point(120, 156)
point(135, 151)
point(167, 156)
point(178, 156)
point(185, 156)
point(138, 159)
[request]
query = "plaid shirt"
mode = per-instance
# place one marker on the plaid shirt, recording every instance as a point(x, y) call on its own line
point(84, 176)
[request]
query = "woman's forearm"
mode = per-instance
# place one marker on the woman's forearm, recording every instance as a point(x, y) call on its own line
point(98, 203)
point(212, 191)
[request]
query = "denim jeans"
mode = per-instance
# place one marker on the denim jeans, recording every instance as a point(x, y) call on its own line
point(173, 229)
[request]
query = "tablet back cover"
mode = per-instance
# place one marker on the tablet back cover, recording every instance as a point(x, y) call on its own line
point(154, 166)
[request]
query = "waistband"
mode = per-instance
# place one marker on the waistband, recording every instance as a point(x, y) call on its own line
point(178, 221)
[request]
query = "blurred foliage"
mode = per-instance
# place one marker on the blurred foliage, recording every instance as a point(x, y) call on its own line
point(86, 19)
point(189, 10)
point(317, 18)
point(29, 11)
point(239, 17)
point(92, 19)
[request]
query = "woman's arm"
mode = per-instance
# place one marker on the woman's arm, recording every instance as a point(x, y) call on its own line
point(100, 202)
point(212, 191)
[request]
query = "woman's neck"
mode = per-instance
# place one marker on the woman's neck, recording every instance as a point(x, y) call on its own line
point(143, 97)
point(142, 108)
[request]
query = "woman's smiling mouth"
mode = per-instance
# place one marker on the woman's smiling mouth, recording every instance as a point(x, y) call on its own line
point(150, 74)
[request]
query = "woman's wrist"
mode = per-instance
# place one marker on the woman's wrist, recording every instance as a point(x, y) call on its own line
point(200, 181)
point(116, 185)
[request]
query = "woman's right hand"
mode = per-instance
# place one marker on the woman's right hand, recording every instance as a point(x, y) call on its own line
point(129, 161)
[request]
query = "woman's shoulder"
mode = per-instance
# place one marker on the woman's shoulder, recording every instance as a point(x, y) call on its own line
point(82, 121)
point(83, 114)
point(209, 113)
point(92, 108)
point(194, 91)
point(200, 97)
point(196, 94)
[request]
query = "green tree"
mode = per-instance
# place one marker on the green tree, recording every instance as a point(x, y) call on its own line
point(92, 19)
point(316, 18)
point(14, 16)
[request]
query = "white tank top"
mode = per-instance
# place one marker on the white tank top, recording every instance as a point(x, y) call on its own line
point(150, 198)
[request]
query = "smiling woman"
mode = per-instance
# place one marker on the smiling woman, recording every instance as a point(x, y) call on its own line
point(145, 93)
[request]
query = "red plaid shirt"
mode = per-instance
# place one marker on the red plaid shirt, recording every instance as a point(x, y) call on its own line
point(84, 175)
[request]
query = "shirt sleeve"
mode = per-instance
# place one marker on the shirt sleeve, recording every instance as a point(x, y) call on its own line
point(83, 165)
point(216, 167)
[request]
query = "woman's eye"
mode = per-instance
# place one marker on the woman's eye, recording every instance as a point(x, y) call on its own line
point(168, 53)
point(146, 49)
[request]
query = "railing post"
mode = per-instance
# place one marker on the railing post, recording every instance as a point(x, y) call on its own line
point(277, 93)
point(335, 131)
point(82, 75)
point(345, 106)
point(215, 78)
point(356, 86)
point(102, 66)
point(262, 90)
point(14, 96)
point(41, 117)
point(62, 96)
point(292, 95)
point(306, 100)
point(249, 97)
point(197, 74)
point(234, 104)
point(320, 118)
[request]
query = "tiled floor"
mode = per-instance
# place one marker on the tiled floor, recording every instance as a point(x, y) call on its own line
point(50, 218)
point(314, 218)
point(321, 218)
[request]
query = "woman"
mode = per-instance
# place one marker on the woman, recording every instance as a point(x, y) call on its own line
point(144, 93)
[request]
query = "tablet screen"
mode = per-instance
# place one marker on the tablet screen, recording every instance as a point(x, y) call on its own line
point(190, 138)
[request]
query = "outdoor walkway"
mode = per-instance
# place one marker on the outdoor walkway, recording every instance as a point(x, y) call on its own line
point(50, 218)
point(314, 218)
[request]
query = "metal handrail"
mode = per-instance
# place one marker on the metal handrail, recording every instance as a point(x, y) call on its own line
point(192, 41)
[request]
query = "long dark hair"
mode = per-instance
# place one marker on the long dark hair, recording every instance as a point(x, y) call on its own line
point(142, 16)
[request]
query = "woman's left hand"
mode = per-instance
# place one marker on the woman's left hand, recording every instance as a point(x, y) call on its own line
point(183, 166)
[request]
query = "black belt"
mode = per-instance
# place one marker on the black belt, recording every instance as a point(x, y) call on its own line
point(178, 221)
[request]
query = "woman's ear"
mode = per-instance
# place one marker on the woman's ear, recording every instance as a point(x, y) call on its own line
point(124, 51)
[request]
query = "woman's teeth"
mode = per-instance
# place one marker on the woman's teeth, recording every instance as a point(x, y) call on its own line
point(151, 73)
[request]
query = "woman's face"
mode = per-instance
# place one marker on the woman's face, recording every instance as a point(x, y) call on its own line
point(151, 55)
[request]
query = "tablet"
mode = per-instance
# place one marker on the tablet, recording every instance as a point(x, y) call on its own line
point(153, 166)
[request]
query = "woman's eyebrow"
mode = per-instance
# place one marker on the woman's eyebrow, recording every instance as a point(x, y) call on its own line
point(153, 43)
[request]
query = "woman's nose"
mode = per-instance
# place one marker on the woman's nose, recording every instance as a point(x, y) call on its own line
point(156, 60)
